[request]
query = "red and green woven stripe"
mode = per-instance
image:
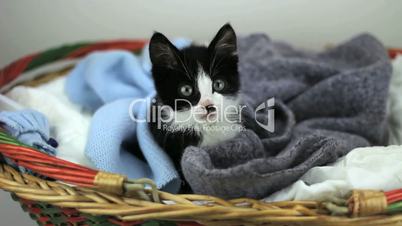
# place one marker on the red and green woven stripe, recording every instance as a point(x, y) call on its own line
point(394, 200)
point(13, 70)
point(44, 164)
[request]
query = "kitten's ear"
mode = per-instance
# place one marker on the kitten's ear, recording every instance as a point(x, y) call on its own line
point(225, 42)
point(162, 52)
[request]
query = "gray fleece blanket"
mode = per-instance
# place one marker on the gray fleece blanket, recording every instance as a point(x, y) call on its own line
point(326, 104)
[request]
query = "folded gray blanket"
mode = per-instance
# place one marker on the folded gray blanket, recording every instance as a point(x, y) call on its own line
point(326, 104)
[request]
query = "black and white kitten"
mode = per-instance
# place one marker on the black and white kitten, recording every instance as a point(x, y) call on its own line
point(197, 90)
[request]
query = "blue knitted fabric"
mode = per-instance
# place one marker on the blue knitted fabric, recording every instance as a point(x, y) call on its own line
point(29, 127)
point(107, 83)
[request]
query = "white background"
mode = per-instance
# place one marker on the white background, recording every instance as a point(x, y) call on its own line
point(28, 26)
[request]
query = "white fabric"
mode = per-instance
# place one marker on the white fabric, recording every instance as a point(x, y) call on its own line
point(395, 103)
point(69, 124)
point(6, 104)
point(370, 168)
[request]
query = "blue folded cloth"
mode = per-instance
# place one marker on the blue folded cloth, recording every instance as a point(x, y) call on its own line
point(107, 83)
point(29, 127)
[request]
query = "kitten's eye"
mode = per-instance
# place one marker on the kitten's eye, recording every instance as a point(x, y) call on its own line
point(186, 90)
point(219, 85)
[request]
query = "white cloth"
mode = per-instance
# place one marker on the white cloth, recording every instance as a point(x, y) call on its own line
point(395, 103)
point(369, 168)
point(69, 124)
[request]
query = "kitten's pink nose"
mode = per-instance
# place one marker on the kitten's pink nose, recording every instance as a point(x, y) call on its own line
point(208, 105)
point(205, 102)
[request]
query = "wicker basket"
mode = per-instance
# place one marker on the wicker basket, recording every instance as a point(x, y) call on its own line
point(76, 195)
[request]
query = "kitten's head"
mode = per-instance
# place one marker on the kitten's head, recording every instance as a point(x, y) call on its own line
point(197, 82)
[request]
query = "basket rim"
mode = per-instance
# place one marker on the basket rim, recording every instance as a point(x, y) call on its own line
point(230, 212)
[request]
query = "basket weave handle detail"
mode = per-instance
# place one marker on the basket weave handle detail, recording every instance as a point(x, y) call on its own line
point(109, 182)
point(367, 202)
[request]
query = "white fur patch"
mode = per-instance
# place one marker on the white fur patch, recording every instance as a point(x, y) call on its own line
point(204, 83)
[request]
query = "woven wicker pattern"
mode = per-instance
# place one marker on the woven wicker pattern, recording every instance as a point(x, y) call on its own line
point(206, 210)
